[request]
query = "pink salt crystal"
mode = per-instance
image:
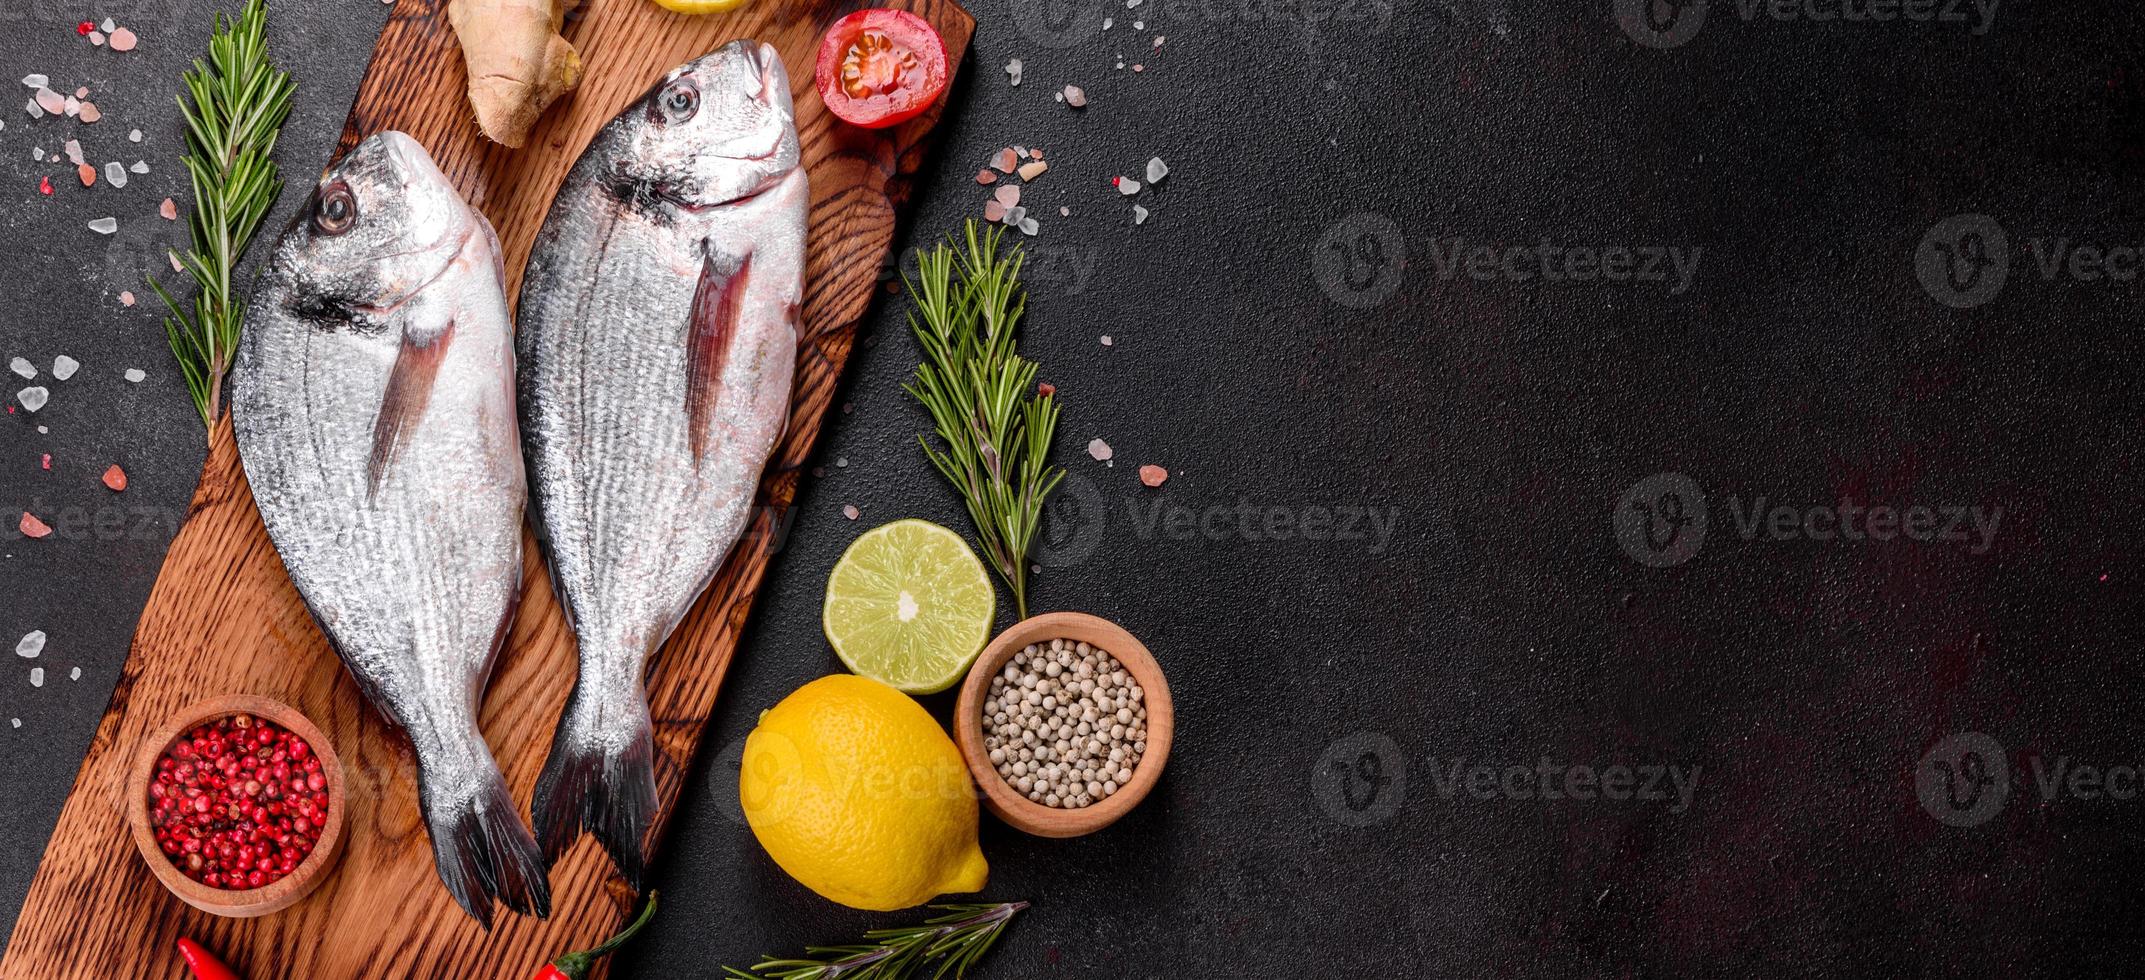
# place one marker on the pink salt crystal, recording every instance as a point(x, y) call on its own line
point(51, 101)
point(1003, 162)
point(90, 113)
point(986, 176)
point(849, 511)
point(123, 40)
point(1033, 169)
point(96, 38)
point(992, 210)
point(32, 527)
point(126, 298)
point(169, 209)
point(1007, 194)
point(82, 93)
point(87, 173)
point(1153, 475)
point(1099, 449)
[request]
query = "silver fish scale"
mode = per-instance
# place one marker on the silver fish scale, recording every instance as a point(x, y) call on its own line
point(406, 549)
point(676, 244)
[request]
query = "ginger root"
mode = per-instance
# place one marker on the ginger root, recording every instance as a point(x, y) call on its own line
point(518, 63)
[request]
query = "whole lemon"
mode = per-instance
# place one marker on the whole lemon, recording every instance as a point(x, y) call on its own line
point(858, 794)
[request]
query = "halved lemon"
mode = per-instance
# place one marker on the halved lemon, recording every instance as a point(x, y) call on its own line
point(910, 605)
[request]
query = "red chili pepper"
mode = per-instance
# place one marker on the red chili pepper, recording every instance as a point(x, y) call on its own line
point(82, 29)
point(204, 963)
point(575, 965)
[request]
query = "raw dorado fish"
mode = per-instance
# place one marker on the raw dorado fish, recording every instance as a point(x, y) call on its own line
point(374, 402)
point(657, 341)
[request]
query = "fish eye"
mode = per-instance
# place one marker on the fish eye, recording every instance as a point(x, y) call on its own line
point(335, 209)
point(679, 102)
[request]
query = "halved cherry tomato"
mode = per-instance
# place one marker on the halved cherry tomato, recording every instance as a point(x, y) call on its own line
point(878, 67)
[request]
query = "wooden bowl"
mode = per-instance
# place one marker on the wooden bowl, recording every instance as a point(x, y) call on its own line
point(242, 903)
point(1000, 796)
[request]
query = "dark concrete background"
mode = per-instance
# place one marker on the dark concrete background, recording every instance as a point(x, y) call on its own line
point(1301, 338)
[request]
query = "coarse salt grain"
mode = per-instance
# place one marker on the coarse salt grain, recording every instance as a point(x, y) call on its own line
point(169, 209)
point(140, 166)
point(1139, 215)
point(1099, 449)
point(135, 375)
point(34, 82)
point(52, 102)
point(37, 677)
point(74, 673)
point(124, 40)
point(1127, 186)
point(1153, 475)
point(33, 398)
point(1156, 170)
point(1007, 194)
point(31, 527)
point(115, 478)
point(134, 136)
point(74, 152)
point(63, 367)
point(89, 113)
point(126, 298)
point(1075, 96)
point(1108, 341)
point(850, 511)
point(1012, 71)
point(104, 226)
point(31, 644)
point(22, 366)
point(115, 174)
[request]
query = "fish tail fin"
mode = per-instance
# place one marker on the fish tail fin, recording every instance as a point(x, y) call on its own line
point(483, 850)
point(600, 776)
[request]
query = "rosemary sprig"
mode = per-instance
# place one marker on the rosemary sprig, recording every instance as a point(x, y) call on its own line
point(240, 100)
point(994, 428)
point(954, 942)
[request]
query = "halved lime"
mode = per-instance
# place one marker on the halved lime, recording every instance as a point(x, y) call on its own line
point(909, 605)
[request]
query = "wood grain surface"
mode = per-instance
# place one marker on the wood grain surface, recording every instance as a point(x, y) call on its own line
point(223, 617)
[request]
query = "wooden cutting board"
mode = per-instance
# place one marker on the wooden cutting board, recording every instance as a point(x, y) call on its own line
point(223, 617)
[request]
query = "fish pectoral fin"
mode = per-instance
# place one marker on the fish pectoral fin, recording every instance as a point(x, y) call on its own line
point(718, 302)
point(409, 389)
